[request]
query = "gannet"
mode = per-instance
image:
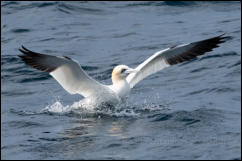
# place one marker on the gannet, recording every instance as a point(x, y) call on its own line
point(70, 75)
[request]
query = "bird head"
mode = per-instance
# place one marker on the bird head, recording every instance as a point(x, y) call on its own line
point(120, 72)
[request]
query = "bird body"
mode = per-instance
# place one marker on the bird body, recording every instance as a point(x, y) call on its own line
point(70, 75)
point(121, 88)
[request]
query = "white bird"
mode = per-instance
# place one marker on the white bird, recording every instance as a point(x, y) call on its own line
point(69, 74)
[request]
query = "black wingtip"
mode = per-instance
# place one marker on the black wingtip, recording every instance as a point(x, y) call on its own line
point(25, 48)
point(199, 48)
point(36, 60)
point(28, 52)
point(21, 56)
point(22, 50)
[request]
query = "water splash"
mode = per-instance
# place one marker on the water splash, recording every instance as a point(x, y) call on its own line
point(57, 107)
point(85, 108)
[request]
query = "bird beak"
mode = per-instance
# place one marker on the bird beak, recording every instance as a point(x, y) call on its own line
point(130, 70)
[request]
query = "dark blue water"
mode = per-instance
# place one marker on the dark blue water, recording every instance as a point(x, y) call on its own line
point(187, 111)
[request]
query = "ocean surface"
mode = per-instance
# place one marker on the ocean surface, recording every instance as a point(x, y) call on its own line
point(187, 111)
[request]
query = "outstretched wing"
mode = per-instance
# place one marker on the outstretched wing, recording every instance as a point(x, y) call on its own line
point(66, 71)
point(171, 56)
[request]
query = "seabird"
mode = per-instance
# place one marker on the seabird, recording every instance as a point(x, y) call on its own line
point(70, 75)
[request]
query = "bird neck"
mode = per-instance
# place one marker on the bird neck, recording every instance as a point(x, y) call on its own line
point(119, 82)
point(120, 87)
point(116, 78)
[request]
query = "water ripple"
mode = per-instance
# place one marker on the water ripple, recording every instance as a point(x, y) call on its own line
point(219, 55)
point(211, 90)
point(69, 8)
point(23, 124)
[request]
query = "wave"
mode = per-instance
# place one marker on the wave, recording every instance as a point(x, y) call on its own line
point(211, 90)
point(188, 118)
point(165, 3)
point(68, 8)
point(20, 30)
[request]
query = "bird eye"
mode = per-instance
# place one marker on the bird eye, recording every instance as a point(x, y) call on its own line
point(123, 70)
